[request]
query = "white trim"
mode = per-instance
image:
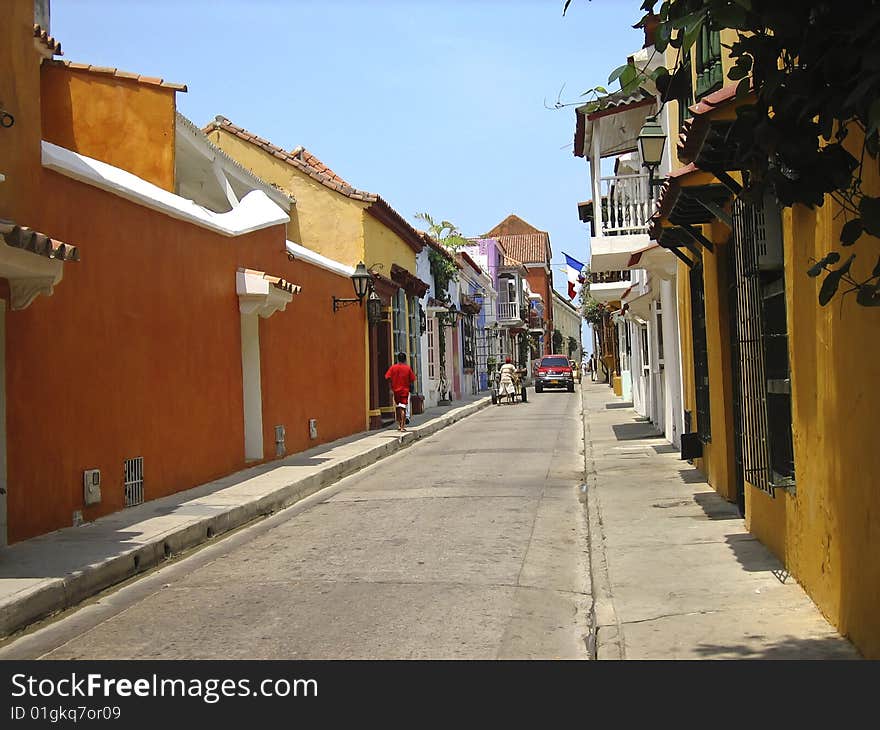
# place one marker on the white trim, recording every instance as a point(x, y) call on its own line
point(252, 391)
point(256, 211)
point(316, 259)
point(256, 295)
point(199, 141)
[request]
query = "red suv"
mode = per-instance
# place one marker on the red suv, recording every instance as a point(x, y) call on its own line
point(554, 371)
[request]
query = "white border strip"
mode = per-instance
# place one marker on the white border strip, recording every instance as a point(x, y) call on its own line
point(309, 256)
point(255, 212)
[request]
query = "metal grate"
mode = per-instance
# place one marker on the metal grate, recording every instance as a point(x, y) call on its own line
point(432, 347)
point(701, 354)
point(133, 471)
point(749, 347)
point(467, 342)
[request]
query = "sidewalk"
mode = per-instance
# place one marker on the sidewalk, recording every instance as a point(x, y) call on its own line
point(675, 573)
point(50, 573)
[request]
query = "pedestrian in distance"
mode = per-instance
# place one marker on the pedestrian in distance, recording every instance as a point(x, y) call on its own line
point(507, 384)
point(400, 377)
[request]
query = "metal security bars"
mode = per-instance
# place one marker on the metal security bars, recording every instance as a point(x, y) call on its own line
point(701, 354)
point(776, 367)
point(747, 229)
point(761, 347)
point(133, 484)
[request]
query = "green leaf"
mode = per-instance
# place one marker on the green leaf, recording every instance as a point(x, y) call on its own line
point(851, 231)
point(601, 89)
point(629, 79)
point(869, 295)
point(874, 116)
point(615, 74)
point(870, 210)
point(662, 36)
point(691, 33)
point(819, 266)
point(832, 281)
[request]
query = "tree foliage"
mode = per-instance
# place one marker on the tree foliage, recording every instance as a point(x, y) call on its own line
point(812, 129)
point(443, 268)
point(592, 311)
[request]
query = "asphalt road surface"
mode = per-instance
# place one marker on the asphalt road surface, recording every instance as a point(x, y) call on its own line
point(470, 544)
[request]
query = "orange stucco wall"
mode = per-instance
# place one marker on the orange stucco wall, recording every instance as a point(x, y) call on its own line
point(20, 96)
point(313, 363)
point(138, 353)
point(541, 284)
point(118, 121)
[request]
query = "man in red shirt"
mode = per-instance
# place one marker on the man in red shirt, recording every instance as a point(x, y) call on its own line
point(399, 377)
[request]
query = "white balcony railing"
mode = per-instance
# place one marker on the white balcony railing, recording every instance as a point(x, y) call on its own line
point(627, 204)
point(508, 310)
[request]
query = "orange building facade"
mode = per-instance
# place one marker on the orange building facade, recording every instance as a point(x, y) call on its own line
point(139, 351)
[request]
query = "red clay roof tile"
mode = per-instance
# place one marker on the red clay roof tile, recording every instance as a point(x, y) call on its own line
point(48, 41)
point(306, 162)
point(119, 74)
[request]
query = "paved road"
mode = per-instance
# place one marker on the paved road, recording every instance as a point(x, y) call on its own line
point(470, 544)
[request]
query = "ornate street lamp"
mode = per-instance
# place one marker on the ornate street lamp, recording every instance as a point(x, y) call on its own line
point(450, 317)
point(651, 139)
point(374, 308)
point(362, 281)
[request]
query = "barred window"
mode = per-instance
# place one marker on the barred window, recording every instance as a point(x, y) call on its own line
point(761, 347)
point(414, 338)
point(708, 62)
point(432, 348)
point(701, 354)
point(467, 342)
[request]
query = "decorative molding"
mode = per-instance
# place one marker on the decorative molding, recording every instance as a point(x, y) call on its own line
point(258, 295)
point(23, 291)
point(256, 211)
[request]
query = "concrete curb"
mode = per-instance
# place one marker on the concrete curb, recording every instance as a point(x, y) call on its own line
point(606, 635)
point(59, 594)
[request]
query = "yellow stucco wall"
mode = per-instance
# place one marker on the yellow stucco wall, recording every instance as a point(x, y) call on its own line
point(831, 526)
point(384, 246)
point(326, 221)
point(717, 463)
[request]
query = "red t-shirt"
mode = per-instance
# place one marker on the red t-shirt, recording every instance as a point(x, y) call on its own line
point(400, 375)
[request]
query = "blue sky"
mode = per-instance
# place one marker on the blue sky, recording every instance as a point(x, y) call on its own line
point(437, 105)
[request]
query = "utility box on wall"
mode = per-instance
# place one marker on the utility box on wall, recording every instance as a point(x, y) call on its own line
point(92, 486)
point(280, 437)
point(313, 428)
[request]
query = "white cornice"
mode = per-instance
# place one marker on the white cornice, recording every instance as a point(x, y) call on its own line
point(255, 212)
point(316, 259)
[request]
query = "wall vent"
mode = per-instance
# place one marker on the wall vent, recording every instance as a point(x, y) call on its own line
point(133, 470)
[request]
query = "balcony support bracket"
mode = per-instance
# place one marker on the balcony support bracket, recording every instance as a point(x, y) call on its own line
point(697, 236)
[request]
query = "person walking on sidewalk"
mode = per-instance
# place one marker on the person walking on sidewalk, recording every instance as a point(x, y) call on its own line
point(400, 377)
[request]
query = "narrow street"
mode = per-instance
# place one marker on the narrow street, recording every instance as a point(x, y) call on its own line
point(470, 544)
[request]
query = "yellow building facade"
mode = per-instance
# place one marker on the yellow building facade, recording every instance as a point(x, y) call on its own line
point(824, 523)
point(351, 226)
